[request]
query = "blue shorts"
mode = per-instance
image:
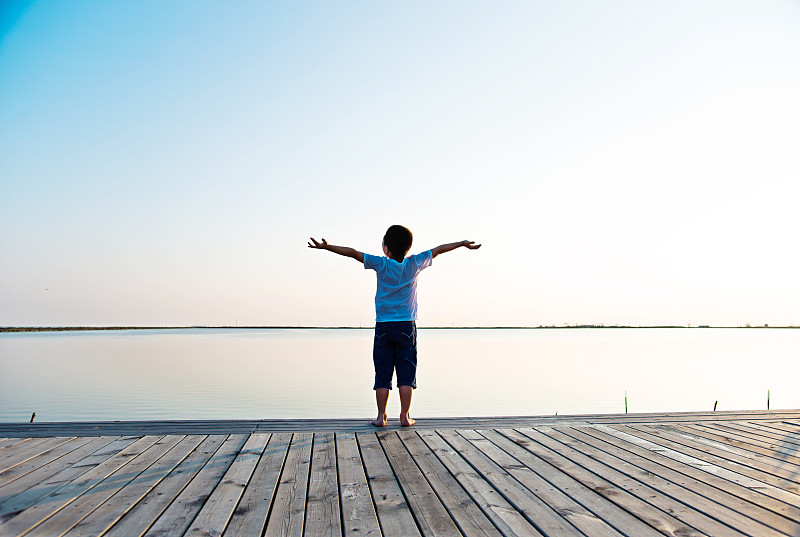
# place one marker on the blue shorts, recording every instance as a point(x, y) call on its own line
point(395, 349)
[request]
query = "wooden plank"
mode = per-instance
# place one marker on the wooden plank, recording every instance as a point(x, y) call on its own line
point(30, 430)
point(322, 508)
point(109, 512)
point(250, 516)
point(464, 511)
point(562, 503)
point(574, 465)
point(697, 495)
point(78, 509)
point(33, 464)
point(287, 515)
point(741, 442)
point(218, 508)
point(63, 495)
point(8, 442)
point(538, 513)
point(783, 448)
point(756, 491)
point(719, 454)
point(358, 512)
point(726, 415)
point(19, 447)
point(431, 516)
point(507, 519)
point(394, 514)
point(26, 491)
point(713, 461)
point(141, 516)
point(782, 434)
point(749, 503)
point(781, 427)
point(748, 437)
point(619, 473)
point(764, 456)
point(14, 456)
point(179, 515)
point(767, 433)
point(600, 507)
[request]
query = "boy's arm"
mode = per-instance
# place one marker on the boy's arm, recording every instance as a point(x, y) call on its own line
point(452, 246)
point(341, 250)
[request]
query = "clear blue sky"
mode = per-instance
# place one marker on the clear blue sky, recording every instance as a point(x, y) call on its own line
point(163, 163)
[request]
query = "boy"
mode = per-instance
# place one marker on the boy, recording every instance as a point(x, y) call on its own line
point(395, 344)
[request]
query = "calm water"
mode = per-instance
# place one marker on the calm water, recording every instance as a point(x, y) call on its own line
point(274, 373)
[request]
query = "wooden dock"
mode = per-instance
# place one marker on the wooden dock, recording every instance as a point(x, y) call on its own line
point(689, 474)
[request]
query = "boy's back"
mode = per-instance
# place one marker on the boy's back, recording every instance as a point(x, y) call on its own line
point(396, 295)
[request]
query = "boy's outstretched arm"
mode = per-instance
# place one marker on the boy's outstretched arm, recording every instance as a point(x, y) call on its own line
point(453, 245)
point(341, 250)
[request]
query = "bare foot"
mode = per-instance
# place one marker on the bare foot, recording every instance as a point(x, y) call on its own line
point(379, 422)
point(407, 422)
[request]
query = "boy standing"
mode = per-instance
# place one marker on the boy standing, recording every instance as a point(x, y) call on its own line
point(395, 344)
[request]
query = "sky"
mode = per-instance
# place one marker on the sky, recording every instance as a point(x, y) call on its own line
point(622, 162)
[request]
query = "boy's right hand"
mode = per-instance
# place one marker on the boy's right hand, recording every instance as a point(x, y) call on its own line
point(341, 250)
point(318, 245)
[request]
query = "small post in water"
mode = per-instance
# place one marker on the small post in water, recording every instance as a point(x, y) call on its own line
point(626, 401)
point(33, 416)
point(715, 405)
point(767, 399)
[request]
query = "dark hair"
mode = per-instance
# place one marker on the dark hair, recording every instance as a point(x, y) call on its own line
point(398, 240)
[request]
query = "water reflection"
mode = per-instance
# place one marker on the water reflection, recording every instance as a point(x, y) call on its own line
point(244, 374)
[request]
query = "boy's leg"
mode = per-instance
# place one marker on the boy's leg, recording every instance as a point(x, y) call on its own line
point(381, 398)
point(406, 367)
point(383, 359)
point(405, 405)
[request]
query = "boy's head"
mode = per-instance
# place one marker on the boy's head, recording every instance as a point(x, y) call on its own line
point(397, 241)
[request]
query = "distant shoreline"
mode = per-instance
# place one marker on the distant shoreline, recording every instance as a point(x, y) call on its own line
point(274, 327)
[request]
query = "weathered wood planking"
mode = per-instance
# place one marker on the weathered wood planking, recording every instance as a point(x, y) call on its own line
point(560, 458)
point(723, 474)
point(218, 508)
point(26, 489)
point(715, 502)
point(137, 520)
point(175, 520)
point(61, 494)
point(80, 506)
point(466, 514)
point(288, 508)
point(562, 503)
point(522, 499)
point(394, 514)
point(108, 513)
point(745, 488)
point(666, 510)
point(723, 455)
point(250, 516)
point(505, 518)
point(13, 472)
point(600, 507)
point(139, 428)
point(322, 506)
point(431, 516)
point(358, 510)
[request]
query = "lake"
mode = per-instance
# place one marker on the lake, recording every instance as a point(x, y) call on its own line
point(327, 373)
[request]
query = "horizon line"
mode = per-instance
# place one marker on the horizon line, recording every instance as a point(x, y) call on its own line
point(76, 328)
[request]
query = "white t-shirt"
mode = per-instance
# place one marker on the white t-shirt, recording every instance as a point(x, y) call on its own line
point(396, 297)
